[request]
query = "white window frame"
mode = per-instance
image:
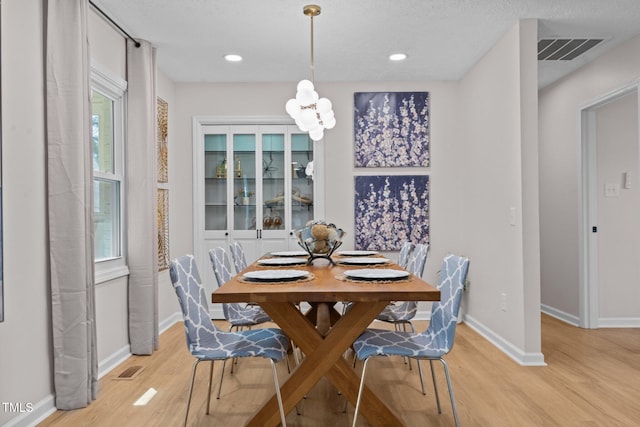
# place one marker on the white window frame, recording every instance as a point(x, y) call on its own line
point(114, 88)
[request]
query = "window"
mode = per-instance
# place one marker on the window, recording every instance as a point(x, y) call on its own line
point(107, 140)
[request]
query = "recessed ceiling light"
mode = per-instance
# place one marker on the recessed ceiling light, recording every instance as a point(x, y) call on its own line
point(233, 57)
point(397, 56)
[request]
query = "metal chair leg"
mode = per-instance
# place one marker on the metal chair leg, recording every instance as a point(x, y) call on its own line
point(453, 400)
point(277, 383)
point(193, 377)
point(407, 359)
point(224, 363)
point(435, 386)
point(424, 393)
point(355, 413)
point(210, 381)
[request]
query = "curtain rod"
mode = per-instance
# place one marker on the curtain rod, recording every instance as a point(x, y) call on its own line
point(137, 43)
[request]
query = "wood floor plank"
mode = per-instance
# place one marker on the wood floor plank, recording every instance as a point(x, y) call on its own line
point(592, 379)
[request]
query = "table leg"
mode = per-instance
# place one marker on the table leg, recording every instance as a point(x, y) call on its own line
point(323, 321)
point(324, 357)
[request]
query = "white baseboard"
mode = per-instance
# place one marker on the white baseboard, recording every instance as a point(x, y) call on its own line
point(619, 322)
point(106, 365)
point(560, 315)
point(603, 322)
point(170, 321)
point(39, 411)
point(522, 358)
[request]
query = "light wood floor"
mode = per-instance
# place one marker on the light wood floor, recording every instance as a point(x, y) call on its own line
point(592, 379)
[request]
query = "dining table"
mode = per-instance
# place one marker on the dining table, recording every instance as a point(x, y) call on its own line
point(322, 332)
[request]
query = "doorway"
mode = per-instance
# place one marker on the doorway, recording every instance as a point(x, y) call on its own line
point(610, 247)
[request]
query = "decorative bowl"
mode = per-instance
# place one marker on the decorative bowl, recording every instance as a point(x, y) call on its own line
point(319, 237)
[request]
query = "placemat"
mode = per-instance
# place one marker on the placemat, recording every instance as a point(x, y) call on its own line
point(344, 278)
point(307, 278)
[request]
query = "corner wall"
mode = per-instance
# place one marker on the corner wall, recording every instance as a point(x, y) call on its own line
point(497, 157)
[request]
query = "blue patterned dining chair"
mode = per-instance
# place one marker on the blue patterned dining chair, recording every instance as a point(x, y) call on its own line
point(237, 256)
point(405, 253)
point(432, 344)
point(208, 343)
point(240, 316)
point(401, 313)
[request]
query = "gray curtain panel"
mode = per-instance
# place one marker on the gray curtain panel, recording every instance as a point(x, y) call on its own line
point(141, 180)
point(70, 215)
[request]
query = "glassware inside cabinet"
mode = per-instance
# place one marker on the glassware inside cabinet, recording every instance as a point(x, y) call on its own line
point(244, 181)
point(301, 180)
point(273, 176)
point(215, 186)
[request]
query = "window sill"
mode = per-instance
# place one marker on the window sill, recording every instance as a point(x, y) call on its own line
point(105, 275)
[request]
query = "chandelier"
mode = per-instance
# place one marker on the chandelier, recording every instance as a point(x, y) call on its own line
point(311, 113)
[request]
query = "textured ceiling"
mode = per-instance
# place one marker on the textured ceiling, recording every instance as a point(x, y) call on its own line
point(353, 38)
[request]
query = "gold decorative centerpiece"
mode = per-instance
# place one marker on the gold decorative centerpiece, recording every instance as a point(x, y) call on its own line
point(320, 239)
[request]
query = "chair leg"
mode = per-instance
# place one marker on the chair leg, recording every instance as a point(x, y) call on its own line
point(435, 386)
point(453, 400)
point(224, 363)
point(407, 360)
point(277, 383)
point(193, 377)
point(355, 413)
point(209, 392)
point(421, 378)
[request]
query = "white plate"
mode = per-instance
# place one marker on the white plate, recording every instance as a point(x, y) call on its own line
point(363, 261)
point(357, 253)
point(376, 274)
point(290, 253)
point(275, 275)
point(282, 261)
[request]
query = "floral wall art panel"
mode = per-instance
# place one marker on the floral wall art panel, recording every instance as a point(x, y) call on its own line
point(163, 143)
point(390, 210)
point(391, 129)
point(163, 229)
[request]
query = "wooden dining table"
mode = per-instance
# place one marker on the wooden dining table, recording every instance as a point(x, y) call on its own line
point(323, 333)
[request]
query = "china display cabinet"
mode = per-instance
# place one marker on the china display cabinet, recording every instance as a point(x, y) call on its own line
point(254, 184)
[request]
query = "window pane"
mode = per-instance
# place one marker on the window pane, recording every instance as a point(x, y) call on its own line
point(106, 211)
point(102, 133)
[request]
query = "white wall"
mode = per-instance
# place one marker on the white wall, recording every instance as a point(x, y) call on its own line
point(618, 217)
point(497, 158)
point(25, 365)
point(559, 128)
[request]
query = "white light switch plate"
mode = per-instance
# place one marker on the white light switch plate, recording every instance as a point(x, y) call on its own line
point(611, 190)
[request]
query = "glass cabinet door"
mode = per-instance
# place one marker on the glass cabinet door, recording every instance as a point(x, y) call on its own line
point(215, 185)
point(301, 180)
point(273, 182)
point(245, 179)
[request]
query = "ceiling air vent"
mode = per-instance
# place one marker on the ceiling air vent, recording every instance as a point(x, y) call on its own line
point(557, 49)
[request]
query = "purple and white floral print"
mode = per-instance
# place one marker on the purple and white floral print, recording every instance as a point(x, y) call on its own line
point(391, 129)
point(390, 210)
